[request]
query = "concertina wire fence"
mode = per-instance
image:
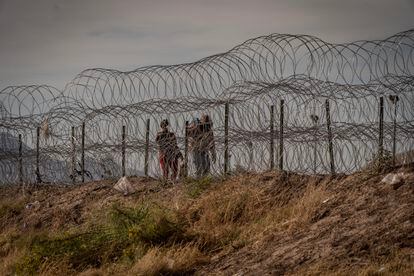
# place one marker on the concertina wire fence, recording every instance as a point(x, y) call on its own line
point(292, 102)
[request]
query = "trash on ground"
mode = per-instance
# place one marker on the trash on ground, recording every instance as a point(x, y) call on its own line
point(124, 186)
point(33, 205)
point(393, 178)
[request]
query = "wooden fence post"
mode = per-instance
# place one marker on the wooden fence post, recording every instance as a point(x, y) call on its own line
point(272, 137)
point(281, 119)
point(83, 153)
point(186, 149)
point(146, 157)
point(73, 157)
point(20, 160)
point(226, 138)
point(381, 130)
point(330, 144)
point(38, 178)
point(123, 150)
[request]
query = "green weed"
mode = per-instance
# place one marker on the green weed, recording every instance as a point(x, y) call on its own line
point(195, 187)
point(127, 235)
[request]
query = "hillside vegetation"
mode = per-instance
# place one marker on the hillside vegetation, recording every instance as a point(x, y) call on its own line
point(246, 224)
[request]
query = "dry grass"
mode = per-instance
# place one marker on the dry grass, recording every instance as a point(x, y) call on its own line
point(176, 231)
point(56, 268)
point(8, 261)
point(297, 214)
point(218, 217)
point(222, 218)
point(176, 260)
point(10, 208)
point(303, 210)
point(397, 264)
point(92, 272)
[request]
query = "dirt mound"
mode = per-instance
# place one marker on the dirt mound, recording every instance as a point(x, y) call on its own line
point(249, 224)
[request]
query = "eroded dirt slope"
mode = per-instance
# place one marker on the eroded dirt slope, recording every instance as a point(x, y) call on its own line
point(361, 220)
point(343, 224)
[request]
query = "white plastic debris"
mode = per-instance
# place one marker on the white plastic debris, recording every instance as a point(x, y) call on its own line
point(33, 205)
point(326, 200)
point(393, 178)
point(124, 186)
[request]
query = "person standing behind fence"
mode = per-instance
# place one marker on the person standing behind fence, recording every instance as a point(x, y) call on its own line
point(169, 153)
point(202, 143)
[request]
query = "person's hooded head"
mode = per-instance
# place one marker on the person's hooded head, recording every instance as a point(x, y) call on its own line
point(206, 122)
point(196, 121)
point(164, 124)
point(205, 119)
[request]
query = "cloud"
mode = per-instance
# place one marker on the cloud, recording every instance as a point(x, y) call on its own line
point(50, 41)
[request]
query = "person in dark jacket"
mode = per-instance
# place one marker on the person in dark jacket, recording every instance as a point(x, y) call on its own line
point(202, 144)
point(169, 153)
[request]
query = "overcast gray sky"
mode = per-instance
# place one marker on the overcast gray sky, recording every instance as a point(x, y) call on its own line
point(50, 41)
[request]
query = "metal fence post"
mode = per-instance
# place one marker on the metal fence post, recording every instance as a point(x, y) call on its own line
point(20, 160)
point(146, 156)
point(186, 150)
point(38, 178)
point(83, 153)
point(73, 161)
point(315, 120)
point(226, 138)
point(330, 144)
point(123, 150)
point(272, 137)
point(394, 99)
point(381, 130)
point(281, 122)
